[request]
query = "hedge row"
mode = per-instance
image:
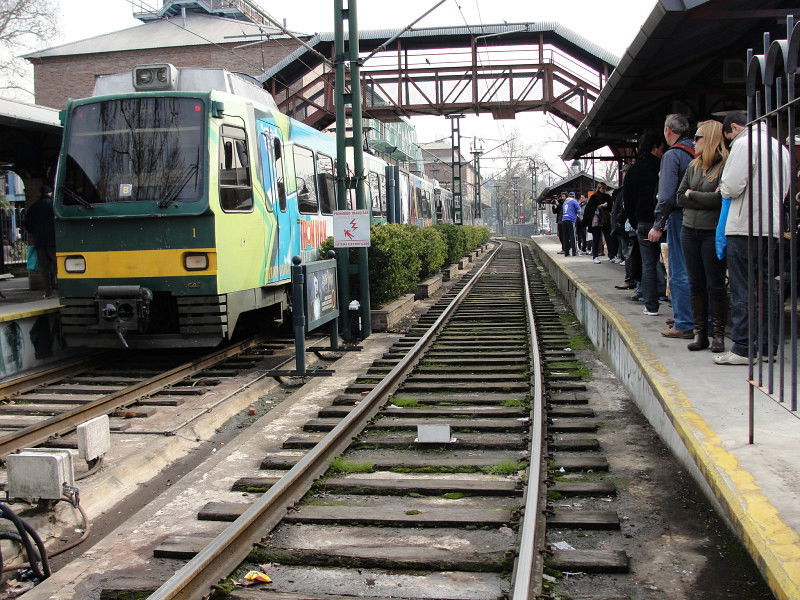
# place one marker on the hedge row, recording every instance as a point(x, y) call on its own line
point(400, 256)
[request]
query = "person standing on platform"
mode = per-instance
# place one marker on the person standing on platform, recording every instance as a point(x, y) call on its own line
point(569, 215)
point(580, 227)
point(40, 224)
point(669, 216)
point(558, 210)
point(593, 218)
point(698, 195)
point(770, 158)
point(641, 186)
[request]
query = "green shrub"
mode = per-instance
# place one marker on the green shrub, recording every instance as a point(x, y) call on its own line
point(432, 250)
point(394, 263)
point(456, 239)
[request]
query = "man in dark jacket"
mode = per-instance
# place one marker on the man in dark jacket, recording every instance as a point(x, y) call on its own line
point(40, 224)
point(558, 210)
point(668, 215)
point(641, 185)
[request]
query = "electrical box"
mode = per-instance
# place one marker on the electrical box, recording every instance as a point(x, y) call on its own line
point(434, 434)
point(94, 438)
point(39, 473)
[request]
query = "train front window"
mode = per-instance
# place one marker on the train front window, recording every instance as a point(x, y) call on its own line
point(133, 150)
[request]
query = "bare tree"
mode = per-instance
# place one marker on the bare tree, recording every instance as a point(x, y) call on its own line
point(24, 26)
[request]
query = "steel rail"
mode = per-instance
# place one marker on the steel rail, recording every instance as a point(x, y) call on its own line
point(45, 376)
point(227, 551)
point(524, 584)
point(66, 421)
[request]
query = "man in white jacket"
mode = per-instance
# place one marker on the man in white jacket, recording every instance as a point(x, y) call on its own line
point(770, 186)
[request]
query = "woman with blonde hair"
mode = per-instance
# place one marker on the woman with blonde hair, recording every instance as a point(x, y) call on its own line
point(699, 196)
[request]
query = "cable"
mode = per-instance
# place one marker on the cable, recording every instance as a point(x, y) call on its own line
point(26, 532)
point(94, 466)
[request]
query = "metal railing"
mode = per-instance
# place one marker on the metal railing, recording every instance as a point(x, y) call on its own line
point(772, 204)
point(12, 236)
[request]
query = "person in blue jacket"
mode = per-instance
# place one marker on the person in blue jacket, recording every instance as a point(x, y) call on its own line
point(569, 215)
point(669, 216)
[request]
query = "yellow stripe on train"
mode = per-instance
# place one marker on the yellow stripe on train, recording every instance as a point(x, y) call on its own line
point(137, 263)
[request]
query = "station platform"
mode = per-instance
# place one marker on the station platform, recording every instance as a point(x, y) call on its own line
point(700, 410)
point(30, 333)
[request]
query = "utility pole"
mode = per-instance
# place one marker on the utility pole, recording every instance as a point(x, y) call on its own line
point(497, 204)
point(455, 153)
point(356, 142)
point(477, 154)
point(515, 191)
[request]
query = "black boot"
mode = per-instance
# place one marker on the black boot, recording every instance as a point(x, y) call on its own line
point(700, 310)
point(719, 314)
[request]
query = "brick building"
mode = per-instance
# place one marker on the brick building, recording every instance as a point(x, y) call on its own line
point(437, 158)
point(186, 38)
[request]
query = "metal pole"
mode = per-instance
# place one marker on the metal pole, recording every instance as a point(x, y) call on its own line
point(343, 258)
point(299, 315)
point(351, 14)
point(477, 154)
point(455, 138)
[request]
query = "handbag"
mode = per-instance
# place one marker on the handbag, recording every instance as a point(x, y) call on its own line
point(32, 259)
point(721, 240)
point(596, 222)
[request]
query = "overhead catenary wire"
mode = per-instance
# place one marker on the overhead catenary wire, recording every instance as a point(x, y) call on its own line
point(408, 27)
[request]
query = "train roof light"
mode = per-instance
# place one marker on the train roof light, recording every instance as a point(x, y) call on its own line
point(155, 77)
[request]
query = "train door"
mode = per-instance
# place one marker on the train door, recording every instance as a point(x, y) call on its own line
point(274, 166)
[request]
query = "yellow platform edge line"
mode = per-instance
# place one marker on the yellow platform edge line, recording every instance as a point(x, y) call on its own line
point(31, 312)
point(771, 542)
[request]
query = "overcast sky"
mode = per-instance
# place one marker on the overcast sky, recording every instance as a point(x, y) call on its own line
point(611, 24)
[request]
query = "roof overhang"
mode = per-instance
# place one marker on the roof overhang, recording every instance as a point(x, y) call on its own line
point(676, 64)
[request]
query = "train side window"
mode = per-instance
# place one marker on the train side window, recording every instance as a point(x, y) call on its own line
point(280, 174)
point(304, 174)
point(235, 189)
point(325, 184)
point(375, 193)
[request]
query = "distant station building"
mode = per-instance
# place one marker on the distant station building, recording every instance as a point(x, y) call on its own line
point(231, 34)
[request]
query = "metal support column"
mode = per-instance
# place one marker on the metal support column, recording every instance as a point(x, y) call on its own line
point(350, 14)
point(455, 138)
point(342, 182)
point(477, 155)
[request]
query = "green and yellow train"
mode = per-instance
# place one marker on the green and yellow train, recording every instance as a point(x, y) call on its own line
point(181, 197)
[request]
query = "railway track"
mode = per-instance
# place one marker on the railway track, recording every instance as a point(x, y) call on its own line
point(446, 518)
point(52, 403)
point(333, 496)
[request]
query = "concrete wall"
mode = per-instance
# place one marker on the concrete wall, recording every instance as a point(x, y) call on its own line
point(28, 342)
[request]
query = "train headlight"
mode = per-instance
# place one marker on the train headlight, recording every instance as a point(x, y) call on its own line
point(195, 261)
point(75, 264)
point(162, 76)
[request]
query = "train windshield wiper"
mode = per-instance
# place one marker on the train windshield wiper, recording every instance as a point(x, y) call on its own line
point(76, 197)
point(191, 171)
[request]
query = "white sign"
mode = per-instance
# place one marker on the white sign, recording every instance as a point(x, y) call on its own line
point(351, 228)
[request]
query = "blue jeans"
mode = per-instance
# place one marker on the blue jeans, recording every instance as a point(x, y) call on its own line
point(762, 282)
point(678, 279)
point(650, 252)
point(706, 271)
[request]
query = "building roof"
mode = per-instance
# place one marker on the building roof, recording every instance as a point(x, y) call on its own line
point(198, 30)
point(512, 33)
point(677, 63)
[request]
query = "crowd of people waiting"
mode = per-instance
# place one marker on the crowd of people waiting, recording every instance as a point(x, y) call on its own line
point(674, 192)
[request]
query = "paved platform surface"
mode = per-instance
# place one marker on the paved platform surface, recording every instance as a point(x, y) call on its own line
point(757, 486)
point(20, 302)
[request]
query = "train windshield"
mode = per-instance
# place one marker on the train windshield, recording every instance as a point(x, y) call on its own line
point(133, 150)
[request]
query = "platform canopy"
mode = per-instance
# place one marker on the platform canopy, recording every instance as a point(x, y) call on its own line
point(689, 57)
point(580, 183)
point(30, 138)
